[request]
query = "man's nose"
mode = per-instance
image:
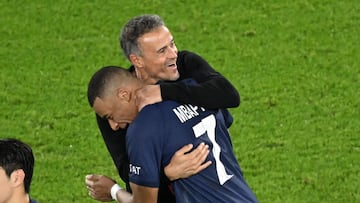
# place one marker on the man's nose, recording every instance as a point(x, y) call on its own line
point(173, 52)
point(114, 125)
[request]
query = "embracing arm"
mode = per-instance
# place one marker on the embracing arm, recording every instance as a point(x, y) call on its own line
point(211, 86)
point(212, 91)
point(185, 163)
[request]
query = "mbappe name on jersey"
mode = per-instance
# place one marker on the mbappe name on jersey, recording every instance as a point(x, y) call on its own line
point(186, 112)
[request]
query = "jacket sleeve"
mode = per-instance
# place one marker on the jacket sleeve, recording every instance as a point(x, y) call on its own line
point(116, 145)
point(212, 91)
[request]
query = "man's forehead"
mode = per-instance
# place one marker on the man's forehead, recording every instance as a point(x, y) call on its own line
point(156, 38)
point(101, 106)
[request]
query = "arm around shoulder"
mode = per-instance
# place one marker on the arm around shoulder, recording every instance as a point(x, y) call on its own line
point(212, 90)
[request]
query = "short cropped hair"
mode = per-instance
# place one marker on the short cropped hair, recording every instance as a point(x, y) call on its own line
point(134, 29)
point(14, 155)
point(102, 81)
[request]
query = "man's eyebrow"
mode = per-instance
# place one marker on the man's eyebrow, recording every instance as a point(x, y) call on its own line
point(161, 49)
point(164, 47)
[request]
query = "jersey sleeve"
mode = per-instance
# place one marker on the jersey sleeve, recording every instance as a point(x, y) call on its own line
point(145, 138)
point(212, 91)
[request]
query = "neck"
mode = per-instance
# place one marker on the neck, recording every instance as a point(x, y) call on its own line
point(16, 198)
point(143, 76)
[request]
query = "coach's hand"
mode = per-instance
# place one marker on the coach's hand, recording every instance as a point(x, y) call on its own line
point(184, 164)
point(99, 187)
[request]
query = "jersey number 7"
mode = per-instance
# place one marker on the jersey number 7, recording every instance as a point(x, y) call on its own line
point(207, 125)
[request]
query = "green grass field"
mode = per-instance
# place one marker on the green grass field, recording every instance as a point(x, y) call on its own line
point(295, 63)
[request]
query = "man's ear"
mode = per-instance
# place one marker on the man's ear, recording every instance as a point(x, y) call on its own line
point(136, 60)
point(17, 177)
point(123, 94)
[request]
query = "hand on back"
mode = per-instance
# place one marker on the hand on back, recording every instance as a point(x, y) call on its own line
point(184, 164)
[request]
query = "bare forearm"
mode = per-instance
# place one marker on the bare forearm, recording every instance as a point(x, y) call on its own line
point(124, 197)
point(141, 195)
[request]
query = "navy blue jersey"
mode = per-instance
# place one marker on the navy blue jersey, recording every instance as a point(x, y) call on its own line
point(161, 129)
point(33, 201)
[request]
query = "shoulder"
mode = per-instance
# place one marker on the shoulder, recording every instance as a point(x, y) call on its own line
point(158, 108)
point(157, 114)
point(185, 54)
point(152, 117)
point(190, 62)
point(188, 58)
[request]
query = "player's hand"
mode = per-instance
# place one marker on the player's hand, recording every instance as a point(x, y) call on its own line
point(149, 94)
point(99, 187)
point(184, 164)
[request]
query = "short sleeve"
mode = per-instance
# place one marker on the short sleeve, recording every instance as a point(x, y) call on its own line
point(144, 141)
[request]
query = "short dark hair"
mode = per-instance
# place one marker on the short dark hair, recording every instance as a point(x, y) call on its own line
point(134, 29)
point(100, 82)
point(14, 155)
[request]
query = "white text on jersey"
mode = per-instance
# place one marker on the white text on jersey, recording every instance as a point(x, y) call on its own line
point(186, 112)
point(134, 169)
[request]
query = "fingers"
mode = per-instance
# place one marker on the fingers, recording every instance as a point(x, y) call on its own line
point(203, 166)
point(89, 181)
point(99, 187)
point(185, 149)
point(204, 152)
point(188, 161)
point(91, 190)
point(92, 177)
point(198, 157)
point(201, 148)
point(91, 194)
point(200, 153)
